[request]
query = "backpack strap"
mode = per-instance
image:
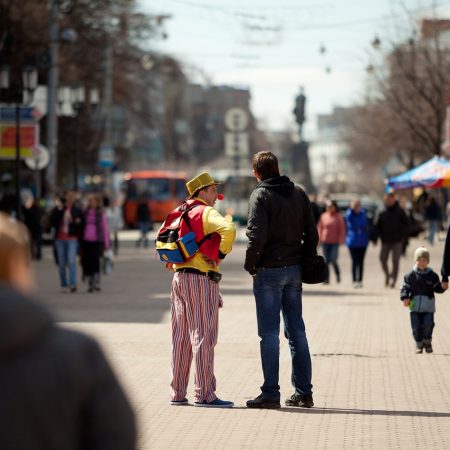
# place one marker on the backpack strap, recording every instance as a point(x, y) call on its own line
point(185, 216)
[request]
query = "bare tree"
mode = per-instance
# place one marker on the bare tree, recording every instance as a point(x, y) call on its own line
point(405, 115)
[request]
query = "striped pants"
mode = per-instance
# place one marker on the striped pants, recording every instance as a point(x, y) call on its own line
point(195, 312)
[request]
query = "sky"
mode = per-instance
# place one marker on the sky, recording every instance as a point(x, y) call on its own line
point(273, 47)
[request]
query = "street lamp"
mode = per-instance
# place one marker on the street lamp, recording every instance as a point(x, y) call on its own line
point(77, 100)
point(19, 85)
point(71, 102)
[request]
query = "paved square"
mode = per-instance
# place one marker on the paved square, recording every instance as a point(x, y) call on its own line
point(371, 391)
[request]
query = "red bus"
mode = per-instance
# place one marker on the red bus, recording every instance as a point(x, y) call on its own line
point(163, 189)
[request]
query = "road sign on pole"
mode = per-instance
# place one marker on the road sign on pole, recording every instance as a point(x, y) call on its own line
point(106, 157)
point(236, 144)
point(40, 159)
point(236, 119)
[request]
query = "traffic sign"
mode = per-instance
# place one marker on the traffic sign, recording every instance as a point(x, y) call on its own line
point(106, 157)
point(40, 159)
point(236, 119)
point(236, 144)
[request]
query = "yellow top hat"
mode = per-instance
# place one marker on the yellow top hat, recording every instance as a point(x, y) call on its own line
point(199, 182)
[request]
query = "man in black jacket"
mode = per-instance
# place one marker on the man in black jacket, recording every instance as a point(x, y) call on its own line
point(281, 229)
point(391, 227)
point(57, 390)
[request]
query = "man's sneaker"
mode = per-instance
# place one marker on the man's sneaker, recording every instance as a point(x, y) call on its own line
point(419, 350)
point(263, 403)
point(183, 401)
point(428, 348)
point(304, 401)
point(217, 403)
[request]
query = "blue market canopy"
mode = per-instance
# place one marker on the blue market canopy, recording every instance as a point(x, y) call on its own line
point(433, 173)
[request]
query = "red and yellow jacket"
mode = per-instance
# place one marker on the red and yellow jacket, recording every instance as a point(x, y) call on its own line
point(205, 220)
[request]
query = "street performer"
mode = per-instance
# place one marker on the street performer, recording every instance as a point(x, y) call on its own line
point(196, 299)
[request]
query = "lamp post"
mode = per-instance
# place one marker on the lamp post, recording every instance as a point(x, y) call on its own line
point(71, 103)
point(77, 100)
point(52, 87)
point(22, 88)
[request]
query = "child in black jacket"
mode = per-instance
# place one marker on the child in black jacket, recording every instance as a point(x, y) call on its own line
point(417, 293)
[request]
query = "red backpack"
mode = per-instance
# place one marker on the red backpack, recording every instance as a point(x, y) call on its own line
point(174, 245)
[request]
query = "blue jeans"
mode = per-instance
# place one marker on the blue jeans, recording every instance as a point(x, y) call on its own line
point(433, 228)
point(422, 324)
point(66, 251)
point(280, 289)
point(330, 253)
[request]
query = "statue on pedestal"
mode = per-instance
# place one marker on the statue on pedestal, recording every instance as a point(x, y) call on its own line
point(300, 159)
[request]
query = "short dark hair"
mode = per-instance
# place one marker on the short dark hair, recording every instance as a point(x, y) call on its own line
point(265, 164)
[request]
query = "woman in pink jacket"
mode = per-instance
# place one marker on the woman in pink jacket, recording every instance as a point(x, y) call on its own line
point(331, 228)
point(95, 240)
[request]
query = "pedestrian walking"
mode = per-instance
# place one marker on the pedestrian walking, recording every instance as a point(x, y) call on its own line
point(114, 218)
point(434, 218)
point(445, 267)
point(66, 220)
point(391, 227)
point(57, 388)
point(417, 293)
point(281, 230)
point(196, 299)
point(357, 239)
point(32, 214)
point(95, 240)
point(331, 228)
point(144, 221)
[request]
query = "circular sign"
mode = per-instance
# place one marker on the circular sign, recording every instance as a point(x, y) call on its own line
point(40, 160)
point(236, 119)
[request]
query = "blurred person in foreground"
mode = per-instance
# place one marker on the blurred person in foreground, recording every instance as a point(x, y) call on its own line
point(57, 389)
point(281, 230)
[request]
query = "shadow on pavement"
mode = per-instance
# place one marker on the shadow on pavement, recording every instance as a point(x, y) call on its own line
point(365, 412)
point(332, 293)
point(353, 355)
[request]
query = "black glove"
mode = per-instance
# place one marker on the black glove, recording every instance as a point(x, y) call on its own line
point(222, 255)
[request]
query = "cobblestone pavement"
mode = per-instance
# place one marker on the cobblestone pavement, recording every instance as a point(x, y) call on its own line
point(371, 391)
